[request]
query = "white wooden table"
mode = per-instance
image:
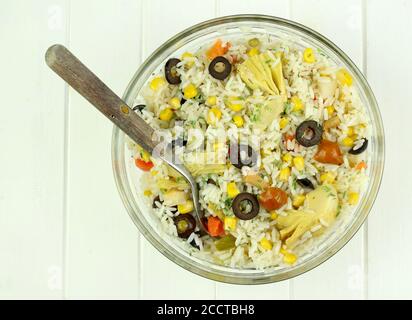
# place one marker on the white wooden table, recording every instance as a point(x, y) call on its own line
point(63, 230)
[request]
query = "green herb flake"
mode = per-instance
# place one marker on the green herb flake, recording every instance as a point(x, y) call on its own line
point(228, 203)
point(294, 183)
point(256, 113)
point(326, 189)
point(339, 210)
point(287, 107)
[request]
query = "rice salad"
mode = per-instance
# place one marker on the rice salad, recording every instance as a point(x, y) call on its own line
point(276, 137)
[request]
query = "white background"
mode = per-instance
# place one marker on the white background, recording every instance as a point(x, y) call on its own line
point(63, 230)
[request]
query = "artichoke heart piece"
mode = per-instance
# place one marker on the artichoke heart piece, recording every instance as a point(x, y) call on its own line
point(173, 173)
point(200, 163)
point(275, 64)
point(257, 75)
point(327, 87)
point(263, 67)
point(174, 197)
point(269, 112)
point(320, 208)
point(264, 72)
point(199, 169)
point(167, 184)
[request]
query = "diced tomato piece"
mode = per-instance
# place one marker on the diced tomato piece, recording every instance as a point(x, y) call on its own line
point(273, 198)
point(215, 226)
point(217, 49)
point(143, 165)
point(329, 152)
point(361, 165)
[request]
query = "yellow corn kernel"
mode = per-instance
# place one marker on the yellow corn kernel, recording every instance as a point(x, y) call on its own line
point(327, 177)
point(347, 142)
point(213, 115)
point(187, 58)
point(175, 103)
point(298, 200)
point(309, 56)
point(344, 77)
point(185, 207)
point(353, 198)
point(232, 190)
point(157, 83)
point(284, 174)
point(350, 132)
point(145, 155)
point(299, 163)
point(234, 103)
point(154, 172)
point(273, 215)
point(283, 123)
point(211, 101)
point(190, 91)
point(166, 114)
point(289, 258)
point(235, 106)
point(230, 223)
point(297, 104)
point(287, 157)
point(331, 110)
point(253, 52)
point(147, 193)
point(238, 120)
point(266, 244)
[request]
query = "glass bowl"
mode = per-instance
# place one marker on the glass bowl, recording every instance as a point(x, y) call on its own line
point(127, 177)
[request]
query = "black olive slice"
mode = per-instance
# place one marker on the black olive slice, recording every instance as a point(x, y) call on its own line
point(194, 245)
point(241, 203)
point(309, 133)
point(211, 181)
point(220, 68)
point(305, 183)
point(356, 149)
point(170, 71)
point(185, 225)
point(139, 107)
point(242, 155)
point(155, 201)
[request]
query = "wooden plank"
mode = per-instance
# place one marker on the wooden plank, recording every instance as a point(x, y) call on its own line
point(280, 290)
point(342, 277)
point(32, 161)
point(278, 8)
point(161, 278)
point(102, 242)
point(389, 72)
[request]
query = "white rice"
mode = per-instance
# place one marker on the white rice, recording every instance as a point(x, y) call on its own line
point(300, 81)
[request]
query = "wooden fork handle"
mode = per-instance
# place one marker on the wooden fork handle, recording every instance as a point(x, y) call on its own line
point(85, 82)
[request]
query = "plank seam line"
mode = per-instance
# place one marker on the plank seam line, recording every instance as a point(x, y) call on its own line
point(65, 165)
point(143, 49)
point(366, 228)
point(290, 9)
point(290, 281)
point(217, 11)
point(217, 8)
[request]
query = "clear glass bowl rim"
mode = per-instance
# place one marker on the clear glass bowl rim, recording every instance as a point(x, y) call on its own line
point(227, 275)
